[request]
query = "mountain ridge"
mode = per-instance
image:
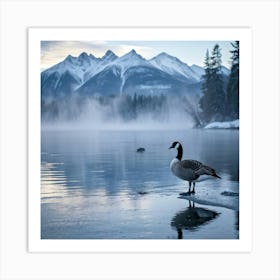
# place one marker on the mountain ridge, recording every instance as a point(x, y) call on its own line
point(127, 74)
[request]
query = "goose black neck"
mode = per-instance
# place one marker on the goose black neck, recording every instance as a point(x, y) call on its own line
point(180, 152)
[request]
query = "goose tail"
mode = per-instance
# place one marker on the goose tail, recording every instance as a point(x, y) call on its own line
point(210, 171)
point(216, 175)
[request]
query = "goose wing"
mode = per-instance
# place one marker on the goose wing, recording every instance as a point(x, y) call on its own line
point(198, 168)
point(194, 165)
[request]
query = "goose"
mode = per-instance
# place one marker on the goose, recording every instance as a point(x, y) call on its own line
point(189, 170)
point(140, 150)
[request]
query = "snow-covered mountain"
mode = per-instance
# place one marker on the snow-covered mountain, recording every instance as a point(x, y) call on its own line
point(99, 64)
point(113, 75)
point(173, 66)
point(65, 76)
point(198, 70)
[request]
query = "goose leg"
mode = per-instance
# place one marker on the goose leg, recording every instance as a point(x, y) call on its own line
point(190, 184)
point(189, 192)
point(193, 190)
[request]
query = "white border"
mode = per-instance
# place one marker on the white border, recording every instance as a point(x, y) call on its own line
point(35, 244)
point(263, 16)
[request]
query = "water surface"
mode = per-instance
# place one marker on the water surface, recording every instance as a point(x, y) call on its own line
point(94, 185)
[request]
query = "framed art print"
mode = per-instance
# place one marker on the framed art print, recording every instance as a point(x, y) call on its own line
point(139, 137)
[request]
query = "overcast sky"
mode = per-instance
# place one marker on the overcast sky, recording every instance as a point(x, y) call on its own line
point(190, 52)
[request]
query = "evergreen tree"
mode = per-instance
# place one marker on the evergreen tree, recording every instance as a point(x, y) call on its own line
point(233, 84)
point(206, 78)
point(217, 85)
point(213, 100)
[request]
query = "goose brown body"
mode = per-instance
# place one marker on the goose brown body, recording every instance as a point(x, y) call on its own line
point(189, 170)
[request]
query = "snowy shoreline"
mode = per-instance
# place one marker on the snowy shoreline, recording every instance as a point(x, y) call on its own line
point(223, 125)
point(231, 202)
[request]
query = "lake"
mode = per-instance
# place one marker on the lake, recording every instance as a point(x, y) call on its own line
point(94, 185)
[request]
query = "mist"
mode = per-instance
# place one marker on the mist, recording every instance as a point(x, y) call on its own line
point(122, 112)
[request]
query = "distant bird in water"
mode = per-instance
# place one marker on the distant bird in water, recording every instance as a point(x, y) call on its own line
point(140, 150)
point(189, 170)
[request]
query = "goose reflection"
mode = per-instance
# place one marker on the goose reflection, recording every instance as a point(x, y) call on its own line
point(191, 218)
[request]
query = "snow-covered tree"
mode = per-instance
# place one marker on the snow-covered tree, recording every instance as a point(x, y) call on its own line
point(213, 103)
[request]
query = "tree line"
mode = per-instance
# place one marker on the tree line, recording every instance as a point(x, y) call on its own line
point(127, 107)
point(220, 99)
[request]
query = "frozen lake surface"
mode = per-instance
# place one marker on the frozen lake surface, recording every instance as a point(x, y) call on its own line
point(94, 185)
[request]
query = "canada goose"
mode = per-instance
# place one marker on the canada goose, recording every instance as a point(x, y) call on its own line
point(140, 150)
point(189, 170)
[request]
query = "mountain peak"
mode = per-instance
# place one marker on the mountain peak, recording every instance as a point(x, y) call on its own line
point(173, 66)
point(109, 55)
point(109, 52)
point(83, 55)
point(70, 58)
point(163, 54)
point(133, 55)
point(84, 58)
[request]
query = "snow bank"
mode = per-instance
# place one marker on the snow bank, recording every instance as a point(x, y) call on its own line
point(223, 125)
